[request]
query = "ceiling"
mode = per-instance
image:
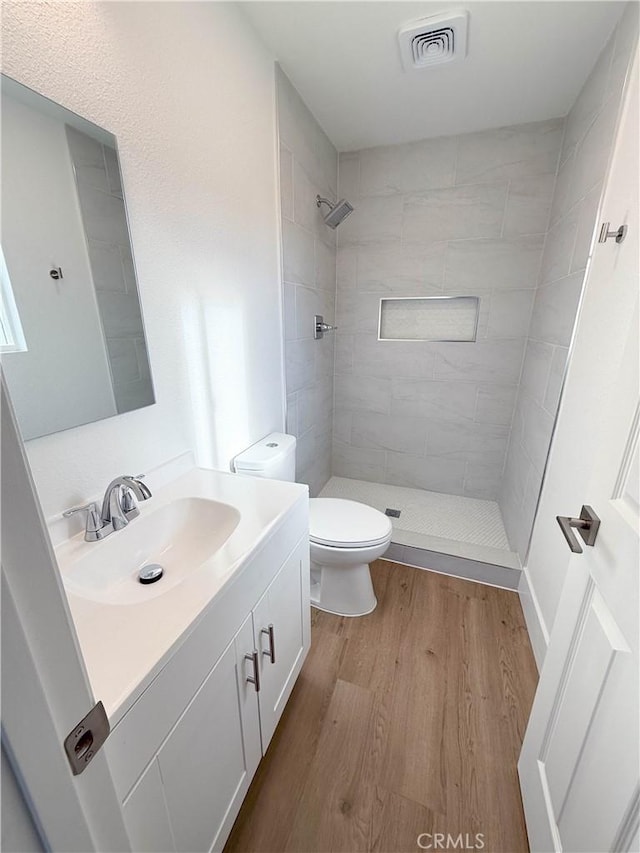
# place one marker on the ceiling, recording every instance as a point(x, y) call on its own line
point(526, 62)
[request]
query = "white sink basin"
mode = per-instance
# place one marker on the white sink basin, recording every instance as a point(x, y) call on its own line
point(180, 536)
point(204, 527)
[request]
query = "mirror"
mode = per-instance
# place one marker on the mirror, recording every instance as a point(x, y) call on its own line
point(71, 329)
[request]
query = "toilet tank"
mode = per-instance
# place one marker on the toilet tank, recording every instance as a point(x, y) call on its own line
point(273, 457)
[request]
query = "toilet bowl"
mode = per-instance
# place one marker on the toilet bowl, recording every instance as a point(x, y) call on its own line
point(344, 536)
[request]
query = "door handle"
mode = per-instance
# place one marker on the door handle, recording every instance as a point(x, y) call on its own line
point(271, 653)
point(587, 526)
point(606, 234)
point(255, 678)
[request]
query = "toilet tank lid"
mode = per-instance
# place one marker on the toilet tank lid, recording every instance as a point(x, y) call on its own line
point(268, 450)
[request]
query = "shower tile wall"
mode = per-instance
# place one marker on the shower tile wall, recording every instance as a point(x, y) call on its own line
point(463, 216)
point(588, 138)
point(105, 223)
point(308, 167)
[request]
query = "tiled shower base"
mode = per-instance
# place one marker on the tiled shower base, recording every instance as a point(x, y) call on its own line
point(448, 533)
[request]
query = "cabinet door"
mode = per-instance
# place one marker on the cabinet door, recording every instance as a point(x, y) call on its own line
point(145, 815)
point(281, 626)
point(210, 756)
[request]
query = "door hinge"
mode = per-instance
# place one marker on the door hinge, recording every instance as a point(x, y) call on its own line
point(87, 737)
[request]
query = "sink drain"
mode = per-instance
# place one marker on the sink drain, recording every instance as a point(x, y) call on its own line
point(151, 573)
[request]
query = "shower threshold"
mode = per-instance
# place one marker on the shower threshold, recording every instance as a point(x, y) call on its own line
point(439, 531)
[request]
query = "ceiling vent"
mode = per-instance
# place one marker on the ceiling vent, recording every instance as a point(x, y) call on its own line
point(434, 40)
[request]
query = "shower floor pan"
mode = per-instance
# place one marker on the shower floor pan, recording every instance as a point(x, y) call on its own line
point(448, 533)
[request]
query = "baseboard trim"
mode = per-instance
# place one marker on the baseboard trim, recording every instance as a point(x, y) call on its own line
point(459, 567)
point(536, 627)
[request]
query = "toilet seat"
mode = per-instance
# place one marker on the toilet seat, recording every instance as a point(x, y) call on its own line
point(339, 523)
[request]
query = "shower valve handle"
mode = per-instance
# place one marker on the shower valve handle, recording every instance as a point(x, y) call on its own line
point(320, 327)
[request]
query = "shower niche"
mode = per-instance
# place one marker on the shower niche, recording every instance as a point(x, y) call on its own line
point(431, 318)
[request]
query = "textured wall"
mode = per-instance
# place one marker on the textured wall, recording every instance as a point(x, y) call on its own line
point(308, 167)
point(449, 216)
point(586, 147)
point(188, 90)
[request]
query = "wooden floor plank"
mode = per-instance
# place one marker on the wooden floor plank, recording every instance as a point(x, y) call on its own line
point(403, 722)
point(374, 640)
point(517, 663)
point(269, 808)
point(397, 824)
point(414, 765)
point(487, 740)
point(335, 811)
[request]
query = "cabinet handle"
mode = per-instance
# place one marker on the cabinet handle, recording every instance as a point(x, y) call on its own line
point(271, 653)
point(255, 678)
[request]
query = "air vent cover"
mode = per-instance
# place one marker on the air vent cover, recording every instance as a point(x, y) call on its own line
point(433, 41)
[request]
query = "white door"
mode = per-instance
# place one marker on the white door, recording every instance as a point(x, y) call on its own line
point(579, 766)
point(45, 689)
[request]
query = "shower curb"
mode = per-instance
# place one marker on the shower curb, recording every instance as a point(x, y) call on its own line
point(459, 567)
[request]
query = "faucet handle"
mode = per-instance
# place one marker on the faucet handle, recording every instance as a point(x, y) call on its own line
point(94, 520)
point(128, 503)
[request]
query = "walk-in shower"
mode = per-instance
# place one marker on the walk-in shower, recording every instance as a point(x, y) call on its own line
point(454, 288)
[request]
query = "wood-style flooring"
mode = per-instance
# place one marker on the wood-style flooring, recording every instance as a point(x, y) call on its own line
point(403, 722)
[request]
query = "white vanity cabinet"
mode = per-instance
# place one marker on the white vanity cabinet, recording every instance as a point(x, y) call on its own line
point(184, 755)
point(211, 755)
point(279, 632)
point(189, 795)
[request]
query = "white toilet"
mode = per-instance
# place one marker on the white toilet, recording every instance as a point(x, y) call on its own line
point(345, 536)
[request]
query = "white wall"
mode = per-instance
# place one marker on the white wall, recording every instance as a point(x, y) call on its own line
point(63, 378)
point(188, 90)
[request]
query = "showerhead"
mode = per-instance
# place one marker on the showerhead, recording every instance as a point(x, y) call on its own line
point(337, 212)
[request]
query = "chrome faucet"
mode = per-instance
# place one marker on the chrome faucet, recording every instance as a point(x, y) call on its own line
point(118, 507)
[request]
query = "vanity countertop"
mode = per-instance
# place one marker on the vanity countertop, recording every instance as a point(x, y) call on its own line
point(124, 646)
